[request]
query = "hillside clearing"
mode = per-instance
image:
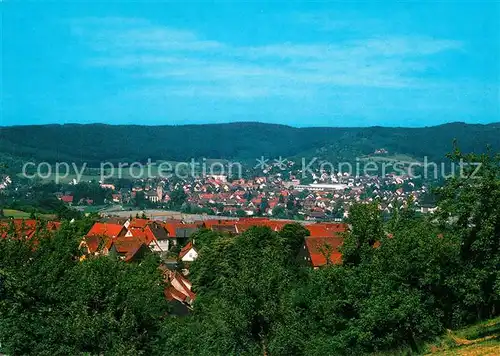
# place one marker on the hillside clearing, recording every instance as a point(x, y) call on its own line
point(482, 339)
point(19, 214)
point(16, 214)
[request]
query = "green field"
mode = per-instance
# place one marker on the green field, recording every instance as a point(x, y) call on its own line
point(479, 339)
point(405, 159)
point(18, 214)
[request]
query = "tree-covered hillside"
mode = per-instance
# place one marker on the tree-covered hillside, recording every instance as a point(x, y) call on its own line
point(94, 143)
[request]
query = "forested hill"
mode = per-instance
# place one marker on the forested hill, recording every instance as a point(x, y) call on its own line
point(94, 143)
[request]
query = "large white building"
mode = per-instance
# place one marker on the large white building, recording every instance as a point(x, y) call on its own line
point(318, 187)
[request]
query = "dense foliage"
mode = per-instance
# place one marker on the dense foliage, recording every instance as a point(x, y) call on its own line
point(101, 143)
point(52, 304)
point(402, 282)
point(40, 198)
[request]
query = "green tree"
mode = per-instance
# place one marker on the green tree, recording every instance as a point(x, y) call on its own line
point(205, 238)
point(366, 228)
point(293, 236)
point(241, 283)
point(52, 304)
point(241, 213)
point(177, 198)
point(279, 212)
point(140, 199)
point(469, 208)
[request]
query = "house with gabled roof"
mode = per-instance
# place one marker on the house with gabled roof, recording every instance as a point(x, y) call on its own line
point(188, 253)
point(129, 249)
point(152, 232)
point(162, 240)
point(179, 288)
point(321, 251)
point(107, 229)
point(179, 232)
point(99, 236)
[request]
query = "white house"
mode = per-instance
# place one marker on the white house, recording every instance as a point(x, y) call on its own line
point(188, 253)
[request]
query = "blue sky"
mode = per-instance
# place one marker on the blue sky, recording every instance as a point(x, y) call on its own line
point(295, 63)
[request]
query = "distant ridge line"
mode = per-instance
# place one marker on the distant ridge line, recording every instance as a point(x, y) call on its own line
point(249, 123)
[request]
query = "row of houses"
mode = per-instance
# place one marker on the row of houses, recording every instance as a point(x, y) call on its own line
point(130, 238)
point(26, 228)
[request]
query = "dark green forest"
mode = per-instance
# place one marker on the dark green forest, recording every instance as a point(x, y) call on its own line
point(95, 143)
point(402, 282)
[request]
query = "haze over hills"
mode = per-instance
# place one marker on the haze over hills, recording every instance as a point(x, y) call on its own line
point(93, 143)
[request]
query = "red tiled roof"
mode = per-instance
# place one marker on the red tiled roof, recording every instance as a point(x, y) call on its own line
point(24, 228)
point(92, 242)
point(171, 293)
point(325, 229)
point(136, 232)
point(28, 226)
point(242, 227)
point(207, 196)
point(149, 235)
point(53, 225)
point(105, 229)
point(317, 230)
point(67, 198)
point(246, 223)
point(172, 227)
point(102, 235)
point(138, 223)
point(127, 245)
point(277, 225)
point(129, 256)
point(186, 285)
point(209, 223)
point(179, 287)
point(318, 246)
